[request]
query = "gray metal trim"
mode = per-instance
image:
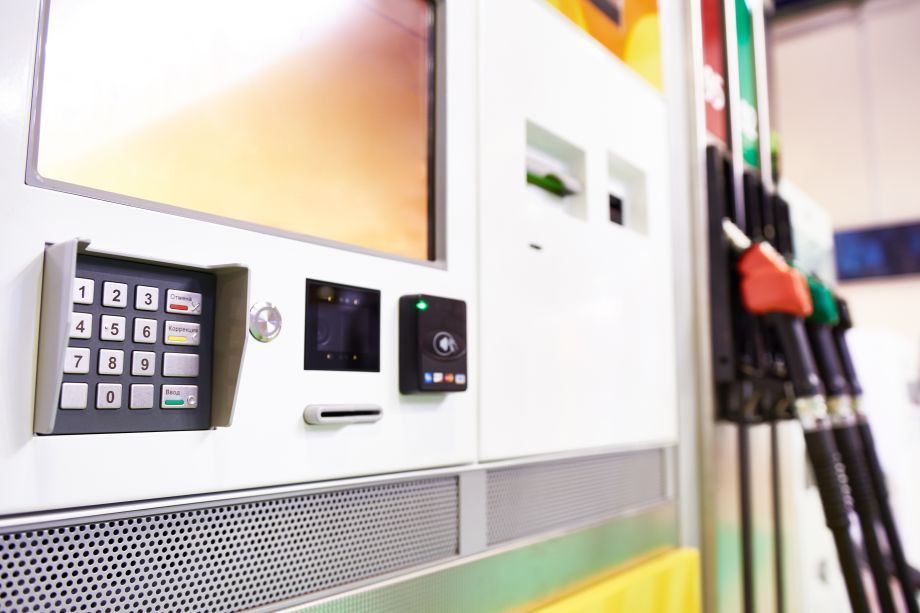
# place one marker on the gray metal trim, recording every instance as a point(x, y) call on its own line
point(704, 434)
point(440, 135)
point(682, 38)
point(33, 178)
point(37, 89)
point(473, 512)
point(58, 272)
point(230, 333)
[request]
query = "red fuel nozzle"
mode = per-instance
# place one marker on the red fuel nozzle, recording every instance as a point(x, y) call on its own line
point(778, 292)
point(770, 285)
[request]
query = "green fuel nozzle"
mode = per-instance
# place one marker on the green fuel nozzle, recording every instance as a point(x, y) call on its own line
point(824, 311)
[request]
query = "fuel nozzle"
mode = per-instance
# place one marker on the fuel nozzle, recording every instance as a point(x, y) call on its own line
point(768, 283)
point(770, 287)
point(824, 311)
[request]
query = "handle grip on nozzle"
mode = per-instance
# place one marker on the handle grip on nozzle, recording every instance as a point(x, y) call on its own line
point(843, 349)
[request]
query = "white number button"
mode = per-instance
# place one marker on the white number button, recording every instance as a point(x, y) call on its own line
point(81, 325)
point(83, 290)
point(112, 328)
point(76, 362)
point(147, 298)
point(111, 361)
point(143, 363)
point(108, 396)
point(114, 294)
point(145, 330)
point(73, 395)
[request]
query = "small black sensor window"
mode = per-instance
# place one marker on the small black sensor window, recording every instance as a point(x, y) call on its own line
point(616, 209)
point(342, 327)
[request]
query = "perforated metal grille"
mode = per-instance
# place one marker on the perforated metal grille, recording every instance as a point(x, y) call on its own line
point(232, 557)
point(526, 500)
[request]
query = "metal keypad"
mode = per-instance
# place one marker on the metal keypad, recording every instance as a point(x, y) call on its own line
point(140, 349)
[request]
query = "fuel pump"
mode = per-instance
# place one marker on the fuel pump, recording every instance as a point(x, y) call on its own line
point(770, 288)
point(749, 372)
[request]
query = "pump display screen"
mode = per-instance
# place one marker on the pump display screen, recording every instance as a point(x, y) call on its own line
point(307, 118)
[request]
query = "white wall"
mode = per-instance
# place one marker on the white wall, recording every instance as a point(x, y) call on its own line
point(846, 85)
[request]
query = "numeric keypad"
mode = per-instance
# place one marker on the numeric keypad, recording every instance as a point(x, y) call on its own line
point(139, 343)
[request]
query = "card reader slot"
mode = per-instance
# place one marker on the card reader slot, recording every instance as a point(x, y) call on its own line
point(340, 414)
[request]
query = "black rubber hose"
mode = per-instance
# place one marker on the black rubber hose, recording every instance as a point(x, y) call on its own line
point(850, 447)
point(824, 348)
point(799, 360)
point(877, 477)
point(821, 452)
point(846, 361)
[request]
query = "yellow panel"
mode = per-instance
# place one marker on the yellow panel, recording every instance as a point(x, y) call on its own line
point(642, 52)
point(634, 38)
point(668, 583)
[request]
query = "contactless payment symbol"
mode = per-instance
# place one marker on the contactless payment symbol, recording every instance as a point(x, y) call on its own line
point(445, 344)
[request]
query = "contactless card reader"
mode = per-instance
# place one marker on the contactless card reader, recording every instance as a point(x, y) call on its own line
point(432, 344)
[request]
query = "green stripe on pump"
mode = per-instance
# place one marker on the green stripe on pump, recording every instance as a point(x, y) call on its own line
point(514, 577)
